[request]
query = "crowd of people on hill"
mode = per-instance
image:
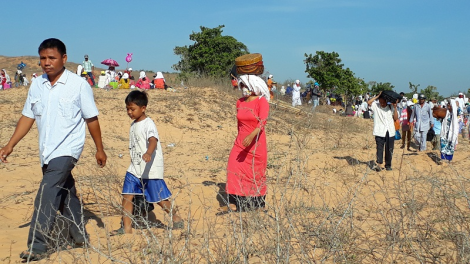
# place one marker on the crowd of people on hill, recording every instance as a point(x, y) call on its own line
point(20, 79)
point(110, 79)
point(419, 121)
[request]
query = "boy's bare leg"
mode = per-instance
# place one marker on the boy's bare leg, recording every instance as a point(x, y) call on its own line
point(166, 206)
point(127, 206)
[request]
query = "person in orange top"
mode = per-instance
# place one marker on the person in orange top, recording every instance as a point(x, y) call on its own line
point(159, 81)
point(270, 86)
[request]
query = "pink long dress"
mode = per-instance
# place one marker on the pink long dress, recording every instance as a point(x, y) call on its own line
point(246, 169)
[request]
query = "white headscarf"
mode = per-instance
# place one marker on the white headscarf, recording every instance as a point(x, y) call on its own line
point(254, 84)
point(159, 76)
point(453, 133)
point(7, 77)
point(125, 76)
point(142, 75)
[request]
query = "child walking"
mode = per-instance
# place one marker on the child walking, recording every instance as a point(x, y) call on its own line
point(145, 174)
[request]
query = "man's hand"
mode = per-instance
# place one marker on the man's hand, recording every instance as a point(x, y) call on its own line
point(101, 158)
point(5, 152)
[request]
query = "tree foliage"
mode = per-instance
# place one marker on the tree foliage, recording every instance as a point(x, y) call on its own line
point(430, 92)
point(377, 87)
point(414, 88)
point(211, 54)
point(351, 85)
point(325, 68)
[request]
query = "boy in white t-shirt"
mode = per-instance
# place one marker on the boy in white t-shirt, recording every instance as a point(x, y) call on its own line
point(145, 174)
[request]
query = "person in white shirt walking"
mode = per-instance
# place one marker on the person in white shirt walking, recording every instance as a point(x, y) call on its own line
point(384, 130)
point(145, 174)
point(62, 105)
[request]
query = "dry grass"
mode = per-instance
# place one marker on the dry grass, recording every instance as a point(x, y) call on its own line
point(324, 203)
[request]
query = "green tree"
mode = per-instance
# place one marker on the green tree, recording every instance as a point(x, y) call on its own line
point(430, 92)
point(211, 54)
point(351, 85)
point(414, 88)
point(325, 68)
point(377, 87)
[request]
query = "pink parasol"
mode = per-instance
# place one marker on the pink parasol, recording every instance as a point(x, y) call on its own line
point(110, 62)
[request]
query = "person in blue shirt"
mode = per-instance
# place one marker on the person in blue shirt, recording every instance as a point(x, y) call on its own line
point(289, 90)
point(62, 105)
point(436, 141)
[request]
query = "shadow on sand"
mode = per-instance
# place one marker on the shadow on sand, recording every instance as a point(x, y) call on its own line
point(353, 161)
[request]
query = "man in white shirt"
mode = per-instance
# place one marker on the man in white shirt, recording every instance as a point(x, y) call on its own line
point(385, 115)
point(62, 105)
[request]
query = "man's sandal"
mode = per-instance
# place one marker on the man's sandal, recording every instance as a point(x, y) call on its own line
point(32, 256)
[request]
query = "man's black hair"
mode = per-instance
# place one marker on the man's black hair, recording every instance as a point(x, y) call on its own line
point(53, 43)
point(137, 97)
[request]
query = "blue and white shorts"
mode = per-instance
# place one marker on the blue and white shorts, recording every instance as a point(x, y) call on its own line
point(155, 190)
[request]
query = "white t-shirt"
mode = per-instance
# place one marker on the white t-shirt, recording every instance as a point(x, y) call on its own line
point(139, 135)
point(383, 120)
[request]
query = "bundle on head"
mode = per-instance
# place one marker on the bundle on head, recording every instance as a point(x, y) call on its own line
point(390, 96)
point(250, 64)
point(439, 112)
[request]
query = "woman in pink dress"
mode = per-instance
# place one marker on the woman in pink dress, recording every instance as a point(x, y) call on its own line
point(246, 169)
point(143, 82)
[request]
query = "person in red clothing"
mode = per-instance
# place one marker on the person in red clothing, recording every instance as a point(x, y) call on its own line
point(246, 169)
point(143, 82)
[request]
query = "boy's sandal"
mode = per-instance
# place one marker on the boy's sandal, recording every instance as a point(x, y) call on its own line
point(178, 225)
point(117, 232)
point(32, 256)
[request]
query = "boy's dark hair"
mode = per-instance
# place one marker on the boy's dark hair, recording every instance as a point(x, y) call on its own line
point(53, 43)
point(137, 97)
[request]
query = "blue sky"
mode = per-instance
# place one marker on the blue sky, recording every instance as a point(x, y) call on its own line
point(425, 42)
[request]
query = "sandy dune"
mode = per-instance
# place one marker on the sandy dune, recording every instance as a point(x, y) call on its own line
point(318, 170)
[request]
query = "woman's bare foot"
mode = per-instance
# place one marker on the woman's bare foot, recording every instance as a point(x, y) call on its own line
point(227, 209)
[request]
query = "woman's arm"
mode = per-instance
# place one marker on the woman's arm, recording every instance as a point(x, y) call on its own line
point(262, 119)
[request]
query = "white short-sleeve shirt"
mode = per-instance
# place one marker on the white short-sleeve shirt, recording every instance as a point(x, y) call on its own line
point(60, 112)
point(383, 120)
point(140, 133)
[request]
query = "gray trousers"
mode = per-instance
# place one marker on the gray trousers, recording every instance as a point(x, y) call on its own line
point(56, 193)
point(421, 138)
